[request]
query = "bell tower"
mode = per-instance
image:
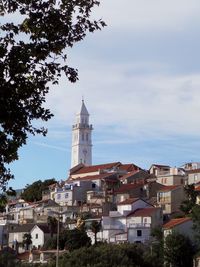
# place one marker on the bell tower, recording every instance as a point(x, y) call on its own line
point(82, 138)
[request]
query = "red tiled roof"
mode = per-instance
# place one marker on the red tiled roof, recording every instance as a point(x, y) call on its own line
point(168, 188)
point(143, 212)
point(129, 167)
point(93, 177)
point(174, 222)
point(129, 174)
point(197, 188)
point(23, 256)
point(127, 187)
point(128, 201)
point(94, 168)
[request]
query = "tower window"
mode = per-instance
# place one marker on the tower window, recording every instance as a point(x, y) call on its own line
point(86, 136)
point(82, 137)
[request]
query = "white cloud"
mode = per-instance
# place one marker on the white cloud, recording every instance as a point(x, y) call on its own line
point(152, 104)
point(50, 146)
point(149, 14)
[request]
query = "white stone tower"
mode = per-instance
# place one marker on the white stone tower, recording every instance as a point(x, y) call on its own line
point(82, 139)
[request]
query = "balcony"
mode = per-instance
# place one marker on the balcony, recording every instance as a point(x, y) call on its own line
point(171, 171)
point(121, 237)
point(139, 225)
point(113, 227)
point(114, 214)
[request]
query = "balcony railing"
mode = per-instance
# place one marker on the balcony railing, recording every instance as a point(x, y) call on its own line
point(112, 227)
point(121, 237)
point(139, 225)
point(115, 214)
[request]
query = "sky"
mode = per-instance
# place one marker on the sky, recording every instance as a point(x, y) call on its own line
point(140, 79)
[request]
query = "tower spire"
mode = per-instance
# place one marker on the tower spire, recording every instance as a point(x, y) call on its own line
point(81, 138)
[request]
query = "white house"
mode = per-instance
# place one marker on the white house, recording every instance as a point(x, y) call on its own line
point(40, 234)
point(131, 222)
point(180, 225)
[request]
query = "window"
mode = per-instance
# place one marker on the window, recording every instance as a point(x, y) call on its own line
point(36, 236)
point(139, 232)
point(93, 185)
point(58, 196)
point(66, 195)
point(195, 177)
point(82, 137)
point(145, 220)
point(87, 137)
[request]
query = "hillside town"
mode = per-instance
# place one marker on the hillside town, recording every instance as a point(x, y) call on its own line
point(127, 201)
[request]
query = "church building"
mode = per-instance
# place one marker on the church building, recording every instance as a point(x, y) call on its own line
point(82, 139)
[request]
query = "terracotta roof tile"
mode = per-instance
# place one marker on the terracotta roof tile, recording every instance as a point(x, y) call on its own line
point(127, 187)
point(129, 174)
point(143, 212)
point(129, 167)
point(94, 177)
point(197, 188)
point(175, 222)
point(138, 174)
point(23, 256)
point(128, 201)
point(166, 188)
point(94, 168)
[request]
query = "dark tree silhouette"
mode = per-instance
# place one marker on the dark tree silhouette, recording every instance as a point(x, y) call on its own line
point(33, 54)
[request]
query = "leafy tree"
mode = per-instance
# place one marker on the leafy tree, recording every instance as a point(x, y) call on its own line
point(69, 239)
point(195, 214)
point(33, 55)
point(53, 224)
point(3, 202)
point(7, 259)
point(189, 203)
point(33, 192)
point(27, 240)
point(74, 239)
point(95, 227)
point(106, 255)
point(178, 251)
point(4, 198)
point(157, 245)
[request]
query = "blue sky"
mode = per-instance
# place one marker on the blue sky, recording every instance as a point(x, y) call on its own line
point(140, 78)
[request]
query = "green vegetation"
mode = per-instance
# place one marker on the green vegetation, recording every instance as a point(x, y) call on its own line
point(95, 227)
point(108, 255)
point(70, 240)
point(33, 55)
point(33, 192)
point(178, 251)
point(27, 240)
point(189, 203)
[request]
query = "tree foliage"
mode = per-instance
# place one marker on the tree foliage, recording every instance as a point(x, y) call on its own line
point(34, 191)
point(27, 240)
point(190, 201)
point(106, 255)
point(70, 240)
point(195, 214)
point(178, 251)
point(95, 228)
point(35, 36)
